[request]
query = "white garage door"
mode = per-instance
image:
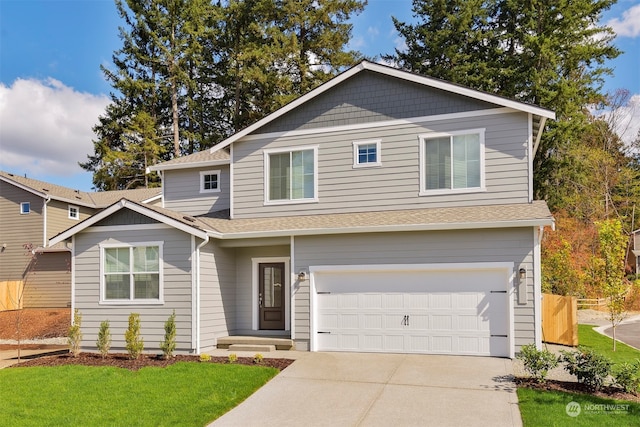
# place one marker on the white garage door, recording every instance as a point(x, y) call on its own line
point(413, 311)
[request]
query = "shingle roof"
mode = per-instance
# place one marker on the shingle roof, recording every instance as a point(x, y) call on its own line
point(490, 216)
point(91, 199)
point(200, 158)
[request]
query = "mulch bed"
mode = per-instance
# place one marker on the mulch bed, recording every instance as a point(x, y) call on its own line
point(607, 392)
point(122, 360)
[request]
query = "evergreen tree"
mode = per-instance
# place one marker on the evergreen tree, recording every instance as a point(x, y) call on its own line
point(549, 53)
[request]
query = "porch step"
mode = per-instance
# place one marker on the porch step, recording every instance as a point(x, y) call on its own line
point(248, 347)
point(279, 343)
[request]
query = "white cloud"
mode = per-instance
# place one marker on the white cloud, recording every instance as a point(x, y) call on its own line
point(630, 119)
point(373, 32)
point(45, 126)
point(629, 25)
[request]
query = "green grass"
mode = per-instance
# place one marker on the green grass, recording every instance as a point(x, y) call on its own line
point(183, 394)
point(546, 408)
point(603, 344)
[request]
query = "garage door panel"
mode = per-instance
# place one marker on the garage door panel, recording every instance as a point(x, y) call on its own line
point(441, 312)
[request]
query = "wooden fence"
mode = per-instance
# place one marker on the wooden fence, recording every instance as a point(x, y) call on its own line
point(560, 319)
point(11, 295)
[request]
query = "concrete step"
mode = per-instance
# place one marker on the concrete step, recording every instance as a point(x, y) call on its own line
point(279, 343)
point(249, 347)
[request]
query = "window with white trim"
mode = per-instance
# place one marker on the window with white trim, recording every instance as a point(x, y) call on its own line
point(366, 153)
point(452, 162)
point(74, 212)
point(291, 175)
point(25, 208)
point(210, 181)
point(131, 273)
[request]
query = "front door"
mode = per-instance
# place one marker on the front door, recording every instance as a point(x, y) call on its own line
point(271, 294)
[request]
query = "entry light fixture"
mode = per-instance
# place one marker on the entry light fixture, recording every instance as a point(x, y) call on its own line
point(522, 274)
point(302, 276)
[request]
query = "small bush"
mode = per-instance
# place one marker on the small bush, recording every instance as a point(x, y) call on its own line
point(168, 346)
point(627, 376)
point(135, 343)
point(591, 367)
point(258, 358)
point(75, 334)
point(204, 357)
point(104, 339)
point(537, 362)
point(233, 358)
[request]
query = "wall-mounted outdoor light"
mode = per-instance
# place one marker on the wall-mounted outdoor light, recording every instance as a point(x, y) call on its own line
point(522, 286)
point(302, 276)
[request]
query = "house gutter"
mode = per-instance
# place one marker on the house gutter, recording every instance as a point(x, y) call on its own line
point(44, 215)
point(196, 309)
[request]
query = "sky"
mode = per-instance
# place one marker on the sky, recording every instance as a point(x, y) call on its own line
point(52, 89)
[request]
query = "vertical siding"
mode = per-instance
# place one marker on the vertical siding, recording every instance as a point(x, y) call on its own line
point(499, 245)
point(182, 191)
point(48, 283)
point(177, 289)
point(217, 294)
point(17, 229)
point(394, 185)
point(244, 276)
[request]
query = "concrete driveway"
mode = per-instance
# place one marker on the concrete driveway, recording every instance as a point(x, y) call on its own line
point(357, 389)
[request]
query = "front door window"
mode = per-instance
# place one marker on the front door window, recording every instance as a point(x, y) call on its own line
point(271, 295)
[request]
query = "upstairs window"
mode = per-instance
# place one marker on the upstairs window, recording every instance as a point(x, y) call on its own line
point(74, 212)
point(210, 182)
point(366, 154)
point(132, 274)
point(25, 208)
point(291, 175)
point(452, 162)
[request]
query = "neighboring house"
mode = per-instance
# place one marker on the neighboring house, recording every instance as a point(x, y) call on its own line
point(33, 211)
point(636, 250)
point(383, 211)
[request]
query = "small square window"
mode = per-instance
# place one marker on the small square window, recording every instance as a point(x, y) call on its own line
point(210, 181)
point(74, 212)
point(366, 154)
point(25, 208)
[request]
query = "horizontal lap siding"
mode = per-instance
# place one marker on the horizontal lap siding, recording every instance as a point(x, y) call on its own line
point(465, 246)
point(177, 289)
point(217, 294)
point(48, 284)
point(182, 191)
point(58, 217)
point(395, 185)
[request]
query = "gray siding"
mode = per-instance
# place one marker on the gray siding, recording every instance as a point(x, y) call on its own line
point(48, 283)
point(217, 294)
point(369, 97)
point(394, 185)
point(177, 289)
point(17, 229)
point(244, 275)
point(182, 191)
point(499, 245)
point(125, 217)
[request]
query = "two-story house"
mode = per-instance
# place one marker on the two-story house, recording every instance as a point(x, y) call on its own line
point(383, 211)
point(33, 211)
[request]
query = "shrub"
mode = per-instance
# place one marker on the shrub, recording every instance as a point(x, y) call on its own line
point(204, 357)
point(591, 367)
point(75, 334)
point(135, 343)
point(627, 376)
point(104, 339)
point(258, 358)
point(169, 344)
point(233, 358)
point(537, 362)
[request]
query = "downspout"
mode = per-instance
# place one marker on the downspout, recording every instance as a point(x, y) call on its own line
point(197, 296)
point(45, 240)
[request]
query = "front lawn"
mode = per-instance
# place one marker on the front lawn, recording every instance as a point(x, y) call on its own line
point(549, 408)
point(183, 394)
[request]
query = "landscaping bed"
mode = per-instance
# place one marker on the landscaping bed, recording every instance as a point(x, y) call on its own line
point(606, 392)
